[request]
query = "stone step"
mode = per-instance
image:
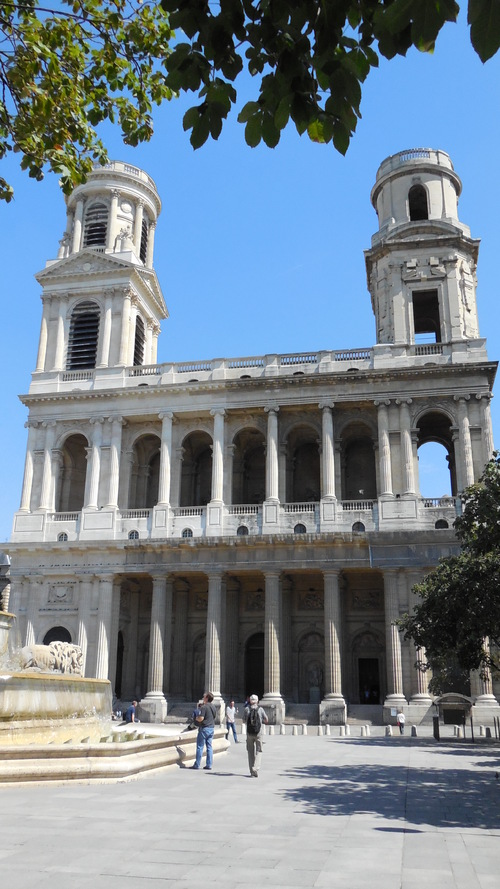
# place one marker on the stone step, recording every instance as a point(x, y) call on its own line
point(365, 714)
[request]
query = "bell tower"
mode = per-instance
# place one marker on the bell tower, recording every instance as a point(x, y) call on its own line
point(421, 267)
point(102, 303)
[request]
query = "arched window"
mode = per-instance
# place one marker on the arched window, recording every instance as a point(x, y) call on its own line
point(139, 342)
point(417, 203)
point(187, 532)
point(96, 226)
point(83, 337)
point(57, 634)
point(62, 538)
point(242, 531)
point(300, 529)
point(133, 535)
point(358, 528)
point(143, 251)
point(441, 524)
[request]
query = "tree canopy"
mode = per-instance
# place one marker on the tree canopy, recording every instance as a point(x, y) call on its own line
point(67, 68)
point(460, 599)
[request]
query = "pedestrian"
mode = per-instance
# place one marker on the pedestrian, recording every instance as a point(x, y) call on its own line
point(130, 713)
point(231, 712)
point(255, 719)
point(206, 723)
point(401, 719)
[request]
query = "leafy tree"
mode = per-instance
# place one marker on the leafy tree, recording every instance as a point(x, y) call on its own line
point(460, 599)
point(311, 57)
point(64, 70)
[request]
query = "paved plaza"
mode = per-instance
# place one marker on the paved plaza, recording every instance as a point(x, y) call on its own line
point(394, 813)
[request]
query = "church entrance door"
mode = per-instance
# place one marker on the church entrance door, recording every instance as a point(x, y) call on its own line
point(369, 680)
point(254, 665)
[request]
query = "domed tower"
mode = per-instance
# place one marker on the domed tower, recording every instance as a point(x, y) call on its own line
point(421, 267)
point(102, 303)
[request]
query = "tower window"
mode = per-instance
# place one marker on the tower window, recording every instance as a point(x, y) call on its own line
point(83, 337)
point(426, 319)
point(96, 226)
point(417, 203)
point(144, 241)
point(139, 342)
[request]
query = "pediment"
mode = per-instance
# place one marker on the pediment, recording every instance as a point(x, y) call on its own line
point(85, 262)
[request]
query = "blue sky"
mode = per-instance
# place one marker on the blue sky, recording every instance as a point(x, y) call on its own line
point(261, 250)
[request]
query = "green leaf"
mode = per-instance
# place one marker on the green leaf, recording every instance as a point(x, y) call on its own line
point(484, 19)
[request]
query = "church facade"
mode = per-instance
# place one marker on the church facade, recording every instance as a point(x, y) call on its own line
point(252, 524)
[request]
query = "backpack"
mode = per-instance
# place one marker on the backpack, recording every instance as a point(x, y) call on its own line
point(254, 722)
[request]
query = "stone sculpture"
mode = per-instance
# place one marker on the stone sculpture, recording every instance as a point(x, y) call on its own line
point(58, 657)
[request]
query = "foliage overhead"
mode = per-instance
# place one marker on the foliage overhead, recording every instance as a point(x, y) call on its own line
point(65, 70)
point(460, 599)
point(310, 56)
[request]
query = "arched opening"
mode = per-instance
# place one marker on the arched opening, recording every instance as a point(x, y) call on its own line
point(311, 654)
point(300, 529)
point(83, 337)
point(133, 535)
point(254, 665)
point(417, 203)
point(249, 467)
point(119, 664)
point(303, 466)
point(441, 525)
point(62, 537)
point(358, 528)
point(242, 531)
point(436, 456)
point(368, 668)
point(196, 477)
point(359, 480)
point(426, 319)
point(145, 476)
point(96, 225)
point(139, 342)
point(57, 634)
point(186, 533)
point(144, 240)
point(71, 494)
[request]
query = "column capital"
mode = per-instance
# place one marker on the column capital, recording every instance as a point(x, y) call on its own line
point(382, 403)
point(97, 420)
point(166, 415)
point(459, 398)
point(271, 409)
point(32, 424)
point(218, 412)
point(118, 419)
point(323, 405)
point(403, 401)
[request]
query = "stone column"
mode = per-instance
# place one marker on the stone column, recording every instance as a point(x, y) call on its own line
point(406, 446)
point(104, 614)
point(115, 627)
point(422, 677)
point(213, 641)
point(272, 454)
point(332, 709)
point(95, 463)
point(113, 217)
point(47, 480)
point(42, 344)
point(114, 460)
point(484, 696)
point(59, 350)
point(34, 589)
point(154, 705)
point(25, 505)
point(272, 700)
point(139, 215)
point(218, 455)
point(125, 329)
point(165, 458)
point(151, 244)
point(467, 470)
point(148, 359)
point(132, 327)
point(77, 227)
point(103, 360)
point(384, 449)
point(178, 680)
point(328, 451)
point(395, 695)
point(85, 587)
point(487, 430)
point(167, 641)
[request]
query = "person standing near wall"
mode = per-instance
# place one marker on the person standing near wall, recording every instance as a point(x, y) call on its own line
point(231, 712)
point(255, 719)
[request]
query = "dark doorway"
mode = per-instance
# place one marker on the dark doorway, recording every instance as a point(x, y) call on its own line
point(369, 680)
point(57, 634)
point(254, 665)
point(119, 665)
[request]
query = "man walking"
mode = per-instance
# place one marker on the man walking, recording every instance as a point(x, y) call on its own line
point(230, 723)
point(206, 723)
point(255, 719)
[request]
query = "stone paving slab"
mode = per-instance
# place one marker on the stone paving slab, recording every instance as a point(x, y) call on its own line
point(377, 812)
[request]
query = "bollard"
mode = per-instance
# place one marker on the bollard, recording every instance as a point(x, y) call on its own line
point(342, 731)
point(243, 728)
point(304, 729)
point(388, 731)
point(460, 731)
point(482, 731)
point(282, 729)
point(264, 729)
point(271, 729)
point(294, 730)
point(367, 727)
point(348, 730)
point(363, 731)
point(320, 730)
point(328, 730)
point(455, 731)
point(488, 731)
point(414, 731)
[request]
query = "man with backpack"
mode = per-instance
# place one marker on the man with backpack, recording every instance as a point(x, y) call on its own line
point(255, 718)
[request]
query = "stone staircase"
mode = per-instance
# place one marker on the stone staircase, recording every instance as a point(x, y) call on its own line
point(365, 714)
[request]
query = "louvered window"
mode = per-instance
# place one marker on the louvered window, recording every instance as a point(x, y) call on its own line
point(96, 226)
point(83, 337)
point(144, 241)
point(139, 342)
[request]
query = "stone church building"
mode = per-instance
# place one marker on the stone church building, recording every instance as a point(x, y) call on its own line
point(249, 524)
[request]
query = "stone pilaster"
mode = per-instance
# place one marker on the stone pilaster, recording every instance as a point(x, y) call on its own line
point(406, 446)
point(272, 700)
point(47, 479)
point(153, 708)
point(85, 587)
point(384, 449)
point(465, 440)
point(395, 695)
point(114, 460)
point(332, 708)
point(25, 505)
point(213, 640)
point(104, 626)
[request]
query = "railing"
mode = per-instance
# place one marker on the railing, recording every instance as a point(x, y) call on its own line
point(251, 509)
point(437, 502)
point(352, 354)
point(245, 362)
point(300, 507)
point(413, 154)
point(146, 370)
point(135, 513)
point(357, 505)
point(429, 349)
point(189, 510)
point(194, 367)
point(287, 360)
point(64, 516)
point(75, 375)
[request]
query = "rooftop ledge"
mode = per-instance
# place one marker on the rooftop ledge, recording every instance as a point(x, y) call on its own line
point(399, 356)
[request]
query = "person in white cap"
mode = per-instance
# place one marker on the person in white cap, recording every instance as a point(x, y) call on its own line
point(255, 718)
